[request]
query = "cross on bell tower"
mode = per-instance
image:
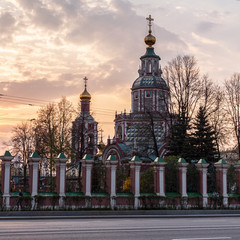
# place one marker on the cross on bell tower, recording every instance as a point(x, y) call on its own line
point(85, 82)
point(150, 19)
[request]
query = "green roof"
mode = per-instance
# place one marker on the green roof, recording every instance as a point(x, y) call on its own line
point(61, 155)
point(34, 155)
point(148, 194)
point(7, 154)
point(181, 160)
point(202, 161)
point(150, 54)
point(173, 194)
point(16, 194)
point(47, 194)
point(75, 194)
point(135, 159)
point(221, 161)
point(111, 158)
point(100, 195)
point(234, 195)
point(159, 159)
point(194, 194)
point(87, 157)
point(124, 194)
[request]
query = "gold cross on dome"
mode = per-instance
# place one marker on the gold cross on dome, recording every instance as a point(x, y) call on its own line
point(85, 81)
point(150, 19)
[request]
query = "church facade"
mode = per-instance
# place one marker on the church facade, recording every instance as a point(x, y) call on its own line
point(144, 130)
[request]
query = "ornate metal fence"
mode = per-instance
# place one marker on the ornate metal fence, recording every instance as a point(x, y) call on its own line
point(73, 178)
point(231, 180)
point(19, 176)
point(211, 179)
point(147, 180)
point(98, 177)
point(192, 178)
point(123, 178)
point(47, 183)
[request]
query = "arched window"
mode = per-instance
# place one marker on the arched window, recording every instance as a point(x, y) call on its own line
point(119, 132)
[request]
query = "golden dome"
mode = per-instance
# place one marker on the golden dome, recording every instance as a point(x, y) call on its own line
point(150, 40)
point(85, 96)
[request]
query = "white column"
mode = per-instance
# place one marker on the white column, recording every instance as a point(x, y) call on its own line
point(62, 180)
point(6, 193)
point(225, 195)
point(137, 181)
point(161, 181)
point(113, 180)
point(204, 178)
point(88, 179)
point(204, 187)
point(137, 186)
point(224, 182)
point(6, 179)
point(35, 179)
point(184, 182)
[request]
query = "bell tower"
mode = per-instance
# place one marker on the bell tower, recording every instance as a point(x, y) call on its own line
point(85, 128)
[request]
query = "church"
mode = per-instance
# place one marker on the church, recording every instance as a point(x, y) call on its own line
point(144, 130)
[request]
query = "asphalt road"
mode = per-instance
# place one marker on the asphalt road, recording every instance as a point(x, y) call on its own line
point(212, 228)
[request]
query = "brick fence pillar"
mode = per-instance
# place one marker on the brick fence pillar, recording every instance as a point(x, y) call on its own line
point(6, 172)
point(159, 176)
point(135, 166)
point(61, 177)
point(33, 160)
point(202, 167)
point(87, 163)
point(111, 179)
point(182, 176)
point(221, 175)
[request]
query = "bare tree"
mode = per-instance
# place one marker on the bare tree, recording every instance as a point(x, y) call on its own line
point(212, 101)
point(65, 114)
point(53, 130)
point(23, 142)
point(183, 79)
point(232, 94)
point(46, 132)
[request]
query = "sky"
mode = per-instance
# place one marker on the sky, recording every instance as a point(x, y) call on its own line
point(47, 47)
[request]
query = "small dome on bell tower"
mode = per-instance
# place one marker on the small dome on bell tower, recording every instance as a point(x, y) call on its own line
point(85, 95)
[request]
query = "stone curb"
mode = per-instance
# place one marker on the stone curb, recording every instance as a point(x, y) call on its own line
point(20, 215)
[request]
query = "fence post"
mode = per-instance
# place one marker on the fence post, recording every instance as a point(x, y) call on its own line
point(159, 176)
point(221, 175)
point(6, 161)
point(34, 160)
point(87, 163)
point(135, 166)
point(237, 167)
point(61, 177)
point(111, 167)
point(202, 167)
point(182, 174)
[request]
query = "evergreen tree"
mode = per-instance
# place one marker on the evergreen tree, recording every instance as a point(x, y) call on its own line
point(202, 139)
point(178, 135)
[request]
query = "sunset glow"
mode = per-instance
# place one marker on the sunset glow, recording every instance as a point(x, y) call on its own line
point(48, 46)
